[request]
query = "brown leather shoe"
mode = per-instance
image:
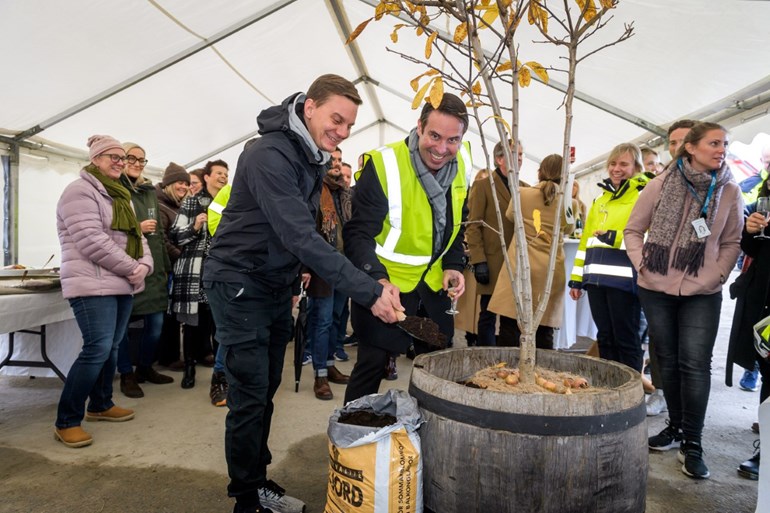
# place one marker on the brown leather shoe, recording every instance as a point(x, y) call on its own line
point(114, 414)
point(150, 375)
point(322, 390)
point(73, 436)
point(335, 376)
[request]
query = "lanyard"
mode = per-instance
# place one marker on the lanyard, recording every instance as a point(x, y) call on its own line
point(691, 188)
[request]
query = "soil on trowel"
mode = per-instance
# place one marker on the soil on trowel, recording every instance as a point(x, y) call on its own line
point(367, 418)
point(424, 329)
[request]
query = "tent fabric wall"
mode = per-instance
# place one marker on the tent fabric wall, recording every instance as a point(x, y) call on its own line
point(196, 101)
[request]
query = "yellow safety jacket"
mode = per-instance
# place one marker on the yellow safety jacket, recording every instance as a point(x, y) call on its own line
point(216, 208)
point(405, 244)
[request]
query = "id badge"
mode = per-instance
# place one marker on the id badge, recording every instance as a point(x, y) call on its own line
point(701, 229)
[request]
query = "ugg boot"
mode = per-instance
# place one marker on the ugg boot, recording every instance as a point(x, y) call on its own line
point(129, 386)
point(188, 381)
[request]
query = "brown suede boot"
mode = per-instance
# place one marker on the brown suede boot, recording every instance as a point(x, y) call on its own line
point(150, 375)
point(322, 390)
point(73, 437)
point(114, 414)
point(335, 376)
point(129, 386)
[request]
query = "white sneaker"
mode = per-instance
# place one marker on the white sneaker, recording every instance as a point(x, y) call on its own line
point(656, 403)
point(274, 497)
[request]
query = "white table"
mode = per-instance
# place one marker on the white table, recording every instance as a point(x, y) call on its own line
point(41, 329)
point(576, 320)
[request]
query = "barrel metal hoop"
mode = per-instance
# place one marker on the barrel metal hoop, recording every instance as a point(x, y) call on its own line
point(527, 424)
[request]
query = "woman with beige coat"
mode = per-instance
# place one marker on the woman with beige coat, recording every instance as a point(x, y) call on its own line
point(539, 198)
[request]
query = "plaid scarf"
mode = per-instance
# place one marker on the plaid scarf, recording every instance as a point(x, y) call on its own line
point(329, 214)
point(689, 250)
point(123, 217)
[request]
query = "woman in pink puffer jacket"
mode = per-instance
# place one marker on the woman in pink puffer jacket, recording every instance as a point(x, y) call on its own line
point(104, 262)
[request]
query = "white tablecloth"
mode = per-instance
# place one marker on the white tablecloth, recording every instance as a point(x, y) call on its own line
point(577, 320)
point(29, 312)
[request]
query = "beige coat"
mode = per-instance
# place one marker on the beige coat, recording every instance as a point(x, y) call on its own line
point(483, 243)
point(539, 249)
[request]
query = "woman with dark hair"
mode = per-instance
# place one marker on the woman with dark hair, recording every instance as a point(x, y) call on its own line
point(683, 238)
point(150, 304)
point(188, 298)
point(196, 181)
point(752, 293)
point(105, 260)
point(538, 210)
point(603, 268)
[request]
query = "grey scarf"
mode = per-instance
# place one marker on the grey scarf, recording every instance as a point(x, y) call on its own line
point(436, 187)
point(299, 128)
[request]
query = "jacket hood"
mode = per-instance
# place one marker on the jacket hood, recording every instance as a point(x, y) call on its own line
point(276, 119)
point(635, 182)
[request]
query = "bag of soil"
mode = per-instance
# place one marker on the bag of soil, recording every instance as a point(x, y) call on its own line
point(376, 467)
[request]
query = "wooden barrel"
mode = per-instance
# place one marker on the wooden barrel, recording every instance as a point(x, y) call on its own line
point(496, 452)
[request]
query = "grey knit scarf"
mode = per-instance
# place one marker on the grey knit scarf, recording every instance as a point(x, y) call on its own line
point(299, 128)
point(689, 250)
point(436, 187)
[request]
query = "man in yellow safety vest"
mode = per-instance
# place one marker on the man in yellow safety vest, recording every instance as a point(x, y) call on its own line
point(406, 230)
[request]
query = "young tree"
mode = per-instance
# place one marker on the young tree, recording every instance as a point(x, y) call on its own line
point(481, 60)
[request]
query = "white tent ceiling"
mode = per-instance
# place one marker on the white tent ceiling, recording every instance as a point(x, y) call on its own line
point(188, 100)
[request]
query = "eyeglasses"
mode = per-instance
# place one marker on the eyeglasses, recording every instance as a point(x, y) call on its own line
point(114, 158)
point(133, 160)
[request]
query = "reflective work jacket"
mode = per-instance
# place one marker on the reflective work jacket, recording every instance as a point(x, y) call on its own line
point(601, 260)
point(405, 244)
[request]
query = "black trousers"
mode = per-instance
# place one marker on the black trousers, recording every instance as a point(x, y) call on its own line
point(616, 314)
point(168, 347)
point(198, 341)
point(378, 340)
point(510, 335)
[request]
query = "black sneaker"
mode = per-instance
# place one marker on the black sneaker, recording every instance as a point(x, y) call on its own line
point(667, 439)
point(274, 497)
point(218, 390)
point(691, 457)
point(750, 468)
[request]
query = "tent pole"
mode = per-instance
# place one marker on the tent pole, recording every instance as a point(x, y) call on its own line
point(10, 164)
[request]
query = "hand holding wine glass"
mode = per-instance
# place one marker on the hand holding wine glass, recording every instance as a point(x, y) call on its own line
point(758, 220)
point(150, 224)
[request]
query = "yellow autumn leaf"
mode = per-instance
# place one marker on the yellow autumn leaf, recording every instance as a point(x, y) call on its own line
point(504, 67)
point(437, 92)
point(607, 4)
point(588, 8)
point(357, 32)
point(533, 13)
point(380, 10)
point(417, 101)
point(525, 77)
point(415, 82)
point(544, 20)
point(490, 15)
point(476, 88)
point(503, 121)
point(393, 8)
point(429, 44)
point(394, 34)
point(420, 31)
point(461, 32)
point(536, 221)
point(538, 69)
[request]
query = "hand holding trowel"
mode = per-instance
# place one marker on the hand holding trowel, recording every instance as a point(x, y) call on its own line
point(421, 328)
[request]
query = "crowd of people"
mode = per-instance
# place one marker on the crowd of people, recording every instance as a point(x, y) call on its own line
point(219, 267)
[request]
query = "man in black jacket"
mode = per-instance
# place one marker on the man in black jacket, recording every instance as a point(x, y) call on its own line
point(408, 207)
point(267, 229)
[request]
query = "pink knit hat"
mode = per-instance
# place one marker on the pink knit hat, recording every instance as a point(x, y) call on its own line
point(99, 144)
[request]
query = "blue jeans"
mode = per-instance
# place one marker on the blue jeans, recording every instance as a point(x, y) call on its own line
point(103, 321)
point(342, 332)
point(254, 325)
point(323, 325)
point(682, 333)
point(153, 325)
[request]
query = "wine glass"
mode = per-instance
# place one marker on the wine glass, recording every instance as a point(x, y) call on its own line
point(453, 306)
point(763, 207)
point(151, 215)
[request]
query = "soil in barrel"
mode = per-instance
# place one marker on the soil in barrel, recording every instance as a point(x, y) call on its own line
point(367, 418)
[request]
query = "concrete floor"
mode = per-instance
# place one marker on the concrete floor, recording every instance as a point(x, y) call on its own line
point(179, 429)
